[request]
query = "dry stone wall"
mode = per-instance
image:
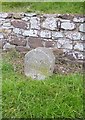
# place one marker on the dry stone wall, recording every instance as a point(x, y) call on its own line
point(25, 31)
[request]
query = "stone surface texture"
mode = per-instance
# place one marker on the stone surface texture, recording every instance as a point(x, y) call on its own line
point(39, 63)
point(25, 31)
point(50, 23)
point(67, 25)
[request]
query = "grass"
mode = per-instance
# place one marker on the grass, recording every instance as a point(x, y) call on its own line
point(44, 7)
point(57, 96)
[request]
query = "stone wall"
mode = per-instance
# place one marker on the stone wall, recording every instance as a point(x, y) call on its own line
point(25, 31)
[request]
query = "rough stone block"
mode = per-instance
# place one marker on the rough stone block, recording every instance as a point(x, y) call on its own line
point(8, 46)
point(79, 46)
point(18, 41)
point(26, 19)
point(73, 35)
point(35, 23)
point(64, 43)
point(82, 28)
point(68, 25)
point(83, 36)
point(17, 15)
point(3, 15)
point(49, 44)
point(33, 33)
point(16, 30)
point(22, 49)
point(78, 19)
point(30, 14)
point(7, 24)
point(34, 42)
point(1, 36)
point(56, 35)
point(19, 24)
point(45, 34)
point(74, 55)
point(50, 23)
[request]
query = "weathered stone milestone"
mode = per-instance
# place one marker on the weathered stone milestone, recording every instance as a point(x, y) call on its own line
point(39, 63)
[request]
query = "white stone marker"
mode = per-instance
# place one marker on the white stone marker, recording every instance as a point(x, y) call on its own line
point(39, 63)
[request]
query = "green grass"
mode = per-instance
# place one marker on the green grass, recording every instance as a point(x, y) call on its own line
point(44, 7)
point(57, 96)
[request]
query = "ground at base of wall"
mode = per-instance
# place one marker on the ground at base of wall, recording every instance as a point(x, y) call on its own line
point(62, 64)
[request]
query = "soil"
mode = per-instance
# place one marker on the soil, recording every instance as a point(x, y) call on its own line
point(62, 64)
